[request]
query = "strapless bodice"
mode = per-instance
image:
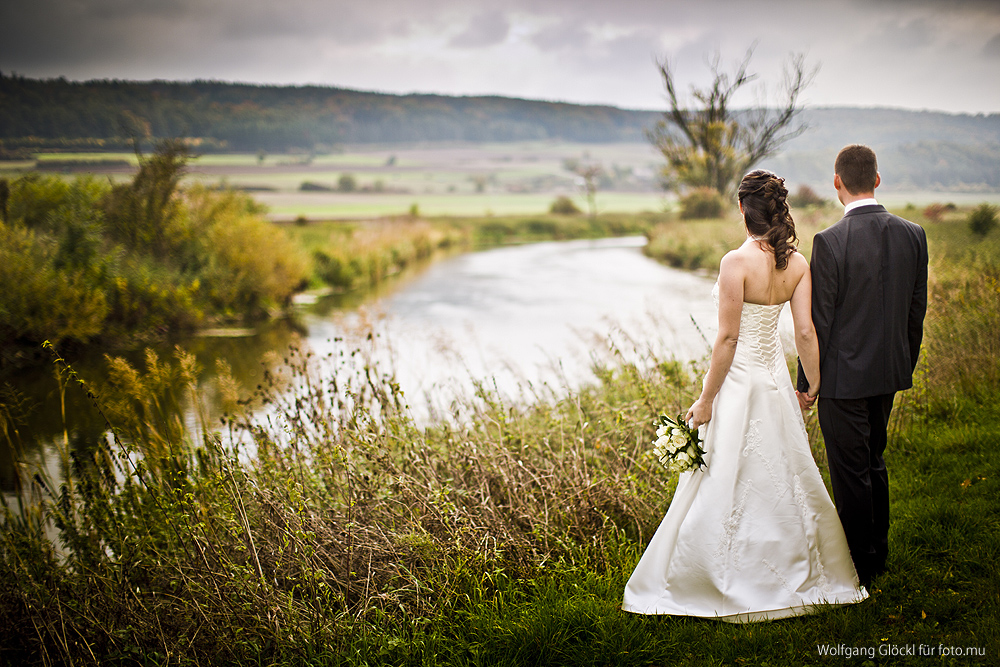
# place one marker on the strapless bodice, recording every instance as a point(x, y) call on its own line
point(759, 336)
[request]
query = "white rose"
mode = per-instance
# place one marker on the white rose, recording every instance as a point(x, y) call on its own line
point(683, 458)
point(678, 439)
point(660, 432)
point(676, 431)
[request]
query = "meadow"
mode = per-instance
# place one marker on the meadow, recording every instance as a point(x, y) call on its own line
point(441, 179)
point(338, 531)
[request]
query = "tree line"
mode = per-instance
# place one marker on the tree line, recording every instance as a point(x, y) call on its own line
point(927, 150)
point(243, 117)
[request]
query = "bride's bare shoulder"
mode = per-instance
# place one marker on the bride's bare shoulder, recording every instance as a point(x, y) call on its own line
point(798, 262)
point(734, 261)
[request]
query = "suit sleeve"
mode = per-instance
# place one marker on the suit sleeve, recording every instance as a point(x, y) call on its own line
point(918, 303)
point(825, 284)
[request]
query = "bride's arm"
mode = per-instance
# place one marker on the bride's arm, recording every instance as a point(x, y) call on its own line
point(731, 276)
point(806, 343)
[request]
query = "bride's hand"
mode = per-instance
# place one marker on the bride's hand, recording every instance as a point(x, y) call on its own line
point(699, 413)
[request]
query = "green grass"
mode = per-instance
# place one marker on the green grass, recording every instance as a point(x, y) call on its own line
point(339, 532)
point(354, 205)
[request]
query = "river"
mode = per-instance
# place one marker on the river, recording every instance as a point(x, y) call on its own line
point(528, 320)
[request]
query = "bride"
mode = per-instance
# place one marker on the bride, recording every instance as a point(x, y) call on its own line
point(753, 535)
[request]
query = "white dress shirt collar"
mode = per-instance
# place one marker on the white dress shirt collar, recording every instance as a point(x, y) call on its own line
point(859, 203)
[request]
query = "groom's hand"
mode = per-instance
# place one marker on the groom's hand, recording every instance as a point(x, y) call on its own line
point(805, 400)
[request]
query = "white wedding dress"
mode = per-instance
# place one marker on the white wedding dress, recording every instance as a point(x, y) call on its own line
point(754, 535)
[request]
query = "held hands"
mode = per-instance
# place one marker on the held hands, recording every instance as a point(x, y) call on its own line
point(699, 413)
point(806, 401)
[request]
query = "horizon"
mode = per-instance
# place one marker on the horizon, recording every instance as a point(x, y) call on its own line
point(327, 86)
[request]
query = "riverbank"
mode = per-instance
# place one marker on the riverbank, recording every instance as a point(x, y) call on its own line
point(350, 255)
point(91, 265)
point(352, 536)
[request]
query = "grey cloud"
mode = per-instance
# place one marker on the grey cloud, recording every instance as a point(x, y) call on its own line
point(343, 23)
point(915, 34)
point(486, 29)
point(111, 35)
point(566, 34)
point(578, 48)
point(992, 47)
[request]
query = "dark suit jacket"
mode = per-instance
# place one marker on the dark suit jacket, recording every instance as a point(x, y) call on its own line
point(869, 296)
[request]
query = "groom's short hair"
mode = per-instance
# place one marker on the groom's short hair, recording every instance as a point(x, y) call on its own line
point(857, 167)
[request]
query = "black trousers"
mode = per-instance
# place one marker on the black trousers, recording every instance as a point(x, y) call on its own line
point(855, 433)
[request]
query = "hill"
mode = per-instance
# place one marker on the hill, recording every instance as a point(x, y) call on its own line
point(926, 149)
point(246, 117)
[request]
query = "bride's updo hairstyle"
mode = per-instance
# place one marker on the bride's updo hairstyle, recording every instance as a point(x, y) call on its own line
point(765, 213)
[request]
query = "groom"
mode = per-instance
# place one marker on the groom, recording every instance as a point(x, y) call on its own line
point(869, 295)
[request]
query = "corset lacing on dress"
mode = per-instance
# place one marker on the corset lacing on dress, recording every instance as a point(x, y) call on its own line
point(759, 338)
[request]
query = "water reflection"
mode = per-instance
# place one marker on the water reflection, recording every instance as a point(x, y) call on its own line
point(51, 412)
point(527, 316)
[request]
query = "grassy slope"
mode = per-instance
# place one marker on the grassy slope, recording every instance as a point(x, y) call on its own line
point(943, 589)
point(504, 538)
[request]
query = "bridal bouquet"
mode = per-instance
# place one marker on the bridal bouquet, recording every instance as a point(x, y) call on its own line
point(677, 446)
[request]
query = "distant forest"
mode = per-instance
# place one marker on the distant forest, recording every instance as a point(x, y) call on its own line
point(927, 150)
point(241, 117)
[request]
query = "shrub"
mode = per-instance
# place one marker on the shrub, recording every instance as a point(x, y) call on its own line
point(702, 203)
point(563, 205)
point(347, 183)
point(983, 219)
point(934, 211)
point(806, 196)
point(41, 301)
point(309, 186)
point(252, 266)
point(146, 214)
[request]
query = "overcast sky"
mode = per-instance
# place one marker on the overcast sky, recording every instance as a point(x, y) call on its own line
point(917, 54)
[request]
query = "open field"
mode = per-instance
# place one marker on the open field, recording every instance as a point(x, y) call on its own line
point(480, 179)
point(440, 179)
point(458, 180)
point(287, 206)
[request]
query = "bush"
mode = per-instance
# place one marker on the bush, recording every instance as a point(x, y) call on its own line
point(983, 219)
point(563, 205)
point(806, 196)
point(252, 266)
point(40, 300)
point(702, 203)
point(309, 186)
point(934, 211)
point(146, 215)
point(347, 183)
point(84, 261)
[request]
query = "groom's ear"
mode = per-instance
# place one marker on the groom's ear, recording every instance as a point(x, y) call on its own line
point(878, 180)
point(837, 183)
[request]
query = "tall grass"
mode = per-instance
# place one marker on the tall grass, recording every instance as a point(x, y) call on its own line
point(334, 515)
point(701, 243)
point(357, 255)
point(318, 524)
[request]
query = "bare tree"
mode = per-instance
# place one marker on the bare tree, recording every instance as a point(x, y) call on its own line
point(590, 173)
point(714, 145)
